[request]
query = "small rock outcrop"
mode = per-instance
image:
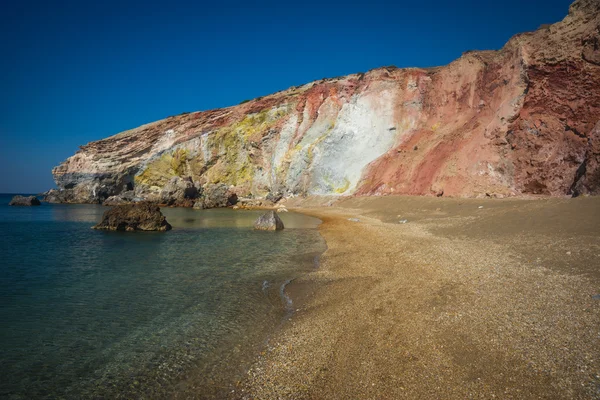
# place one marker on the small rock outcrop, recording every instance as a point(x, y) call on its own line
point(127, 197)
point(180, 192)
point(218, 195)
point(269, 221)
point(143, 216)
point(24, 201)
point(57, 196)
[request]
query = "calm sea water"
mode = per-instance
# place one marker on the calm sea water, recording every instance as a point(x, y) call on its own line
point(93, 314)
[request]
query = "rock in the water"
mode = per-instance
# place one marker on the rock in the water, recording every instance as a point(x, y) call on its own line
point(142, 216)
point(269, 222)
point(218, 195)
point(24, 201)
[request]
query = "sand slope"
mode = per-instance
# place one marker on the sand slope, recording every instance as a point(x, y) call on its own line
point(459, 302)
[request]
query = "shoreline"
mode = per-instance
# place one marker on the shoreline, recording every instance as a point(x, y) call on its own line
point(190, 347)
point(443, 306)
point(468, 298)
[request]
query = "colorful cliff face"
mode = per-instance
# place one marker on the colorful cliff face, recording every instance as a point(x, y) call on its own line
point(521, 120)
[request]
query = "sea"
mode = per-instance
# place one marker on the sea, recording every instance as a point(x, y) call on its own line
point(179, 314)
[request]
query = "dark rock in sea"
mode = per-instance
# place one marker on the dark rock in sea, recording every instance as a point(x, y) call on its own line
point(24, 201)
point(218, 195)
point(269, 221)
point(143, 216)
point(180, 192)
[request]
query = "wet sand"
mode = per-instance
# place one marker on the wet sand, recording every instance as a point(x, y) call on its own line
point(458, 302)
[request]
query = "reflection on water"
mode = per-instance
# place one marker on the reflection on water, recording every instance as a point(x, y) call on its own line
point(90, 313)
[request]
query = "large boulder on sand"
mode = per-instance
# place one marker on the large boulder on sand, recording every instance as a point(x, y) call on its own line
point(24, 201)
point(269, 221)
point(217, 195)
point(143, 216)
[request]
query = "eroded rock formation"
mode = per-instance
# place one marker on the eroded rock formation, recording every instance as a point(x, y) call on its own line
point(143, 216)
point(24, 201)
point(516, 121)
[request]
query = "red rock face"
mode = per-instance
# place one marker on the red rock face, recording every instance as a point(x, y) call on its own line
point(553, 134)
point(522, 120)
point(516, 121)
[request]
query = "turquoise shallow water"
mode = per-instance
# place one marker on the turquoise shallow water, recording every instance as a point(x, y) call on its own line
point(88, 314)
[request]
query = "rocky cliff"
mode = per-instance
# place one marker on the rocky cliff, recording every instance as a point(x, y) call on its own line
point(521, 120)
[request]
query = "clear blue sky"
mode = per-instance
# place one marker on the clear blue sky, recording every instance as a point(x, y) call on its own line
point(77, 71)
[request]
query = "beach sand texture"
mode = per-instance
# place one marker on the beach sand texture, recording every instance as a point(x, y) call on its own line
point(466, 299)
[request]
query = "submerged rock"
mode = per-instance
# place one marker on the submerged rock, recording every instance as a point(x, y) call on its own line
point(141, 216)
point(269, 221)
point(24, 201)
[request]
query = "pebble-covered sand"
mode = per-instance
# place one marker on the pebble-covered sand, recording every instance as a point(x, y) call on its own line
point(465, 299)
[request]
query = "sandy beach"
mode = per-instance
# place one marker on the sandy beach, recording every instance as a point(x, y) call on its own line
point(467, 299)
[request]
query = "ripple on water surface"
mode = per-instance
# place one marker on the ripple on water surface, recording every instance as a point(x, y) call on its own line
point(90, 313)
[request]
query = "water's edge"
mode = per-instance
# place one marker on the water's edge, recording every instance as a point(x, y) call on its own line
point(171, 362)
point(294, 293)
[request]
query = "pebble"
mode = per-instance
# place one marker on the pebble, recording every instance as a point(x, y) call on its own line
point(480, 207)
point(354, 219)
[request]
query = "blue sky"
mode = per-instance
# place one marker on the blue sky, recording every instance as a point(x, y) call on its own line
point(76, 71)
